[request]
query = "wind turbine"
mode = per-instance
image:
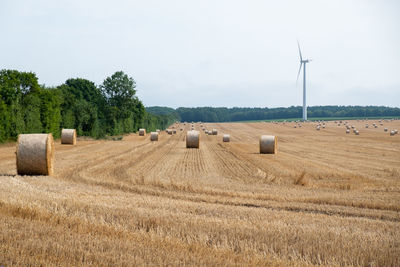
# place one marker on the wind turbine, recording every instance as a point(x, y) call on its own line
point(303, 62)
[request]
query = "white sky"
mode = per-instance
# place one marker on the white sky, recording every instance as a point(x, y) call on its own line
point(212, 52)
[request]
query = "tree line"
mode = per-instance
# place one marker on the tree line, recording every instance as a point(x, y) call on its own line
point(211, 114)
point(111, 108)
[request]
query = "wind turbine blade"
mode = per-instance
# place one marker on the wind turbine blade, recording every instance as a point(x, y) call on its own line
point(299, 73)
point(301, 58)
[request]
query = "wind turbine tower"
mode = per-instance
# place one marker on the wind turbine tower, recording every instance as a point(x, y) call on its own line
point(303, 62)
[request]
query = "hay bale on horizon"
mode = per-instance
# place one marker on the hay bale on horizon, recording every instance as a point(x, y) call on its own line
point(68, 136)
point(226, 138)
point(268, 144)
point(153, 136)
point(142, 132)
point(192, 139)
point(35, 154)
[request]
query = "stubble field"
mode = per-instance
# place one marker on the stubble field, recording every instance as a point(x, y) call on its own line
point(326, 198)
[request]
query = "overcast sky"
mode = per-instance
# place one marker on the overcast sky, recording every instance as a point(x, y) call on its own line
point(212, 52)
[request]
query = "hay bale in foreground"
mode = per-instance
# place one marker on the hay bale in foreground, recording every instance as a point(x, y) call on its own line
point(68, 136)
point(153, 136)
point(268, 144)
point(357, 132)
point(142, 132)
point(192, 139)
point(35, 154)
point(226, 138)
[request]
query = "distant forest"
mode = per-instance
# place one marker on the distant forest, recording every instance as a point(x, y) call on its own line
point(111, 108)
point(210, 114)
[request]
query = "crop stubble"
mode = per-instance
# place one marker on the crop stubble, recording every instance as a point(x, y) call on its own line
point(325, 198)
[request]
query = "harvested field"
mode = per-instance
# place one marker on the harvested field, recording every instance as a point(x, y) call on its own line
point(327, 198)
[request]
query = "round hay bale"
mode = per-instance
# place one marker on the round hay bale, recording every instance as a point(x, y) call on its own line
point(396, 131)
point(169, 131)
point(357, 132)
point(392, 133)
point(386, 129)
point(153, 136)
point(68, 136)
point(214, 132)
point(347, 131)
point(192, 139)
point(268, 144)
point(366, 126)
point(142, 132)
point(226, 138)
point(174, 131)
point(158, 131)
point(318, 128)
point(35, 154)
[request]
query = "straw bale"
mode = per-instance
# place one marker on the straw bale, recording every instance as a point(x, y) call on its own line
point(268, 144)
point(68, 136)
point(153, 136)
point(35, 154)
point(226, 138)
point(192, 139)
point(142, 132)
